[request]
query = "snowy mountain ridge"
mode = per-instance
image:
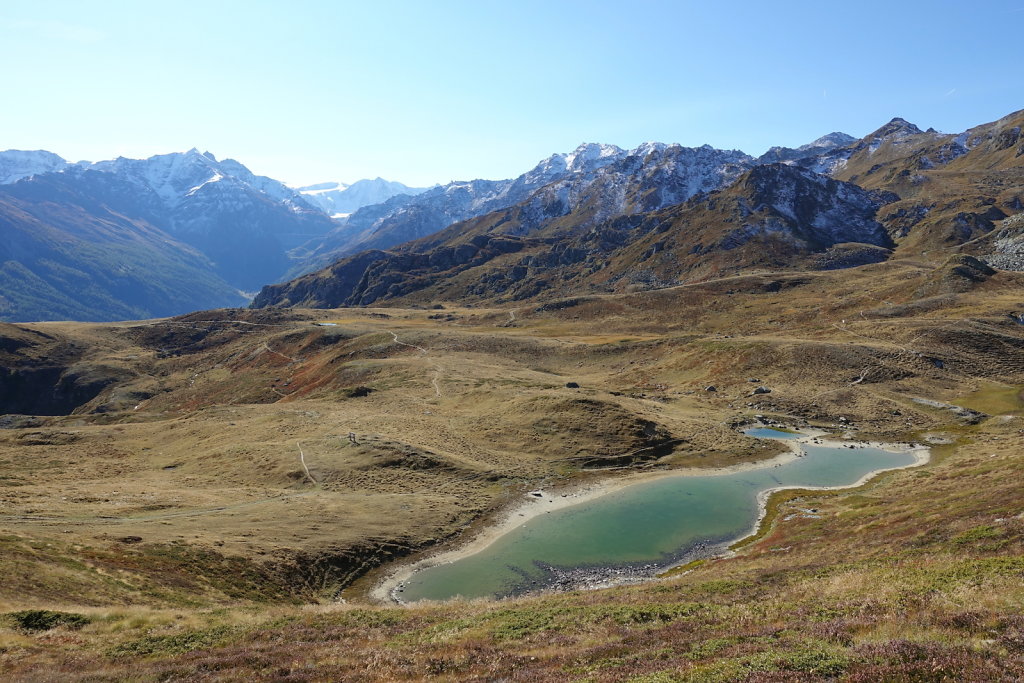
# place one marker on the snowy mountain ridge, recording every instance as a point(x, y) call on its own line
point(171, 177)
point(662, 173)
point(176, 176)
point(16, 164)
point(339, 199)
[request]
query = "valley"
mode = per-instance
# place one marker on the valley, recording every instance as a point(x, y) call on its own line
point(228, 493)
point(467, 406)
point(511, 343)
point(210, 467)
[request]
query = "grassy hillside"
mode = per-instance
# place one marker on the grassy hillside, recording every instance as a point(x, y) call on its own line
point(916, 577)
point(204, 512)
point(63, 261)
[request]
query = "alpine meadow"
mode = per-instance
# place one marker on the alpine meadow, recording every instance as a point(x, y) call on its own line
point(647, 412)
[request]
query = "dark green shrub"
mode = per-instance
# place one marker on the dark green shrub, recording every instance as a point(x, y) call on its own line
point(44, 619)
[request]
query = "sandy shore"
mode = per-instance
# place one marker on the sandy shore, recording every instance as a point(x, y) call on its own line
point(539, 502)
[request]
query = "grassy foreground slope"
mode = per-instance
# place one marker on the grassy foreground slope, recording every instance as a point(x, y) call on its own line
point(915, 577)
point(198, 511)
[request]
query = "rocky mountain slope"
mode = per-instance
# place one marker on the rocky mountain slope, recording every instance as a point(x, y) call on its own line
point(770, 218)
point(131, 238)
point(402, 219)
point(67, 254)
point(659, 216)
point(590, 184)
point(953, 189)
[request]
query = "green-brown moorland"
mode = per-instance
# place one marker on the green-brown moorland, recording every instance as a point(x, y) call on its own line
point(202, 514)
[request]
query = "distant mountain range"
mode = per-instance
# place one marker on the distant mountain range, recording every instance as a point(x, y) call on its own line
point(661, 215)
point(134, 238)
point(404, 218)
point(69, 252)
point(16, 164)
point(339, 200)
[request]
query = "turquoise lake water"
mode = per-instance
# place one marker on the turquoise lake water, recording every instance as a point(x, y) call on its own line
point(652, 523)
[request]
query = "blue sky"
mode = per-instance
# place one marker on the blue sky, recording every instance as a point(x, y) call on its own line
point(425, 92)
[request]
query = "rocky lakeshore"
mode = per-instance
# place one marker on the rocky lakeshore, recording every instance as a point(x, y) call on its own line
point(544, 576)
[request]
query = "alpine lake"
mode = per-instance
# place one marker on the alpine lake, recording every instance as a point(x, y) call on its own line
point(645, 528)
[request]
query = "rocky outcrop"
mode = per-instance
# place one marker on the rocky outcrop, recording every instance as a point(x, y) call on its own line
point(849, 255)
point(44, 375)
point(1007, 245)
point(960, 273)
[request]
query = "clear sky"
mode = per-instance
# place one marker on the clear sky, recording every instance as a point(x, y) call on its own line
point(429, 91)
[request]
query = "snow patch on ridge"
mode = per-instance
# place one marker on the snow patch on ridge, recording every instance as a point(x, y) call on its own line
point(16, 164)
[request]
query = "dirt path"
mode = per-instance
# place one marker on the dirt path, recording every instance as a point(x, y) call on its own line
point(424, 351)
point(267, 348)
point(419, 348)
point(302, 459)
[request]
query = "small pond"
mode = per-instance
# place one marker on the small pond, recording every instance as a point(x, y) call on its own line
point(641, 529)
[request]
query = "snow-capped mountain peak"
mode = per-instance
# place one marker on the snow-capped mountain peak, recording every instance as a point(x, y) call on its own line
point(16, 164)
point(823, 155)
point(339, 200)
point(646, 148)
point(832, 140)
point(170, 176)
point(896, 129)
point(896, 132)
point(590, 155)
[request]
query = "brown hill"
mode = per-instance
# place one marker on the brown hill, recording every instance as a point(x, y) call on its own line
point(773, 217)
point(952, 188)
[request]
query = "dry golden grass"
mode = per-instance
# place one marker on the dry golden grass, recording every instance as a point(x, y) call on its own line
point(190, 533)
point(915, 576)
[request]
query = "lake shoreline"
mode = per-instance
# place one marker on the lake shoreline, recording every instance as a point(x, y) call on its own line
point(539, 502)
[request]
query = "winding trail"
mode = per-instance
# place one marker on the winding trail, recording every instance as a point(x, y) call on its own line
point(413, 346)
point(424, 351)
point(266, 347)
point(302, 459)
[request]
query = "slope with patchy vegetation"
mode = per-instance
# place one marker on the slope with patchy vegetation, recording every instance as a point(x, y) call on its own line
point(203, 508)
